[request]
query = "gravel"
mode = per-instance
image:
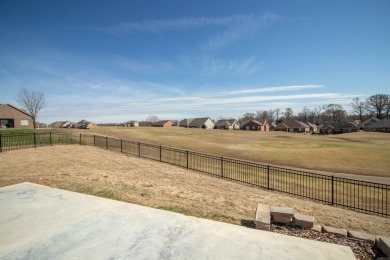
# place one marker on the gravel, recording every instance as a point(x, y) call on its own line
point(362, 250)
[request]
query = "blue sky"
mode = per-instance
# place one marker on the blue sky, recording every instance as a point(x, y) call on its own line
point(113, 61)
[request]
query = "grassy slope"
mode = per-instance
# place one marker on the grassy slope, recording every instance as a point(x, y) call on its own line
point(354, 153)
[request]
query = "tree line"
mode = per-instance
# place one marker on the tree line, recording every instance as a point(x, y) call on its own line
point(377, 105)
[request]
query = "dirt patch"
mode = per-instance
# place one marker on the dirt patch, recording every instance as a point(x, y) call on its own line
point(112, 175)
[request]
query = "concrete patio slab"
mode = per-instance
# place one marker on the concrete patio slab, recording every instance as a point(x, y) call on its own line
point(47, 223)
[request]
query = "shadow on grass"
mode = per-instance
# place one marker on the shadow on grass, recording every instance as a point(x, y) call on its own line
point(247, 223)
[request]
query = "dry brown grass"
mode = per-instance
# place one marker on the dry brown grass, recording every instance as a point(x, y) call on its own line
point(354, 153)
point(108, 174)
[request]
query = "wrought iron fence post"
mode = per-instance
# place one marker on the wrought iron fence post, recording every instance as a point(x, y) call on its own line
point(221, 167)
point(267, 176)
point(35, 140)
point(160, 154)
point(139, 149)
point(1, 144)
point(187, 158)
point(94, 140)
point(80, 138)
point(51, 141)
point(332, 190)
point(106, 142)
point(121, 147)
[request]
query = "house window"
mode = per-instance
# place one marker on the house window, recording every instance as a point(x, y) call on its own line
point(23, 122)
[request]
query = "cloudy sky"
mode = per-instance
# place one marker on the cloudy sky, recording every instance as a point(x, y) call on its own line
point(113, 61)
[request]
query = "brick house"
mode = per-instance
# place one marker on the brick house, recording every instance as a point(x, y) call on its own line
point(255, 125)
point(292, 126)
point(163, 123)
point(12, 117)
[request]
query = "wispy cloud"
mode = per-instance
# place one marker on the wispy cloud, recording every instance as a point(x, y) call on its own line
point(157, 26)
point(233, 28)
point(271, 89)
point(243, 26)
point(236, 67)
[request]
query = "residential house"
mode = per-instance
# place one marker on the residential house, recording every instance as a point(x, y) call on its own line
point(185, 122)
point(230, 124)
point(204, 122)
point(271, 125)
point(132, 124)
point(13, 117)
point(380, 126)
point(40, 125)
point(313, 127)
point(367, 124)
point(255, 125)
point(292, 126)
point(60, 124)
point(338, 126)
point(163, 123)
point(145, 124)
point(85, 124)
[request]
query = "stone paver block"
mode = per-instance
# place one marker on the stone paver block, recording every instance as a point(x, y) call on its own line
point(336, 231)
point(303, 221)
point(317, 228)
point(281, 214)
point(384, 245)
point(263, 217)
point(362, 236)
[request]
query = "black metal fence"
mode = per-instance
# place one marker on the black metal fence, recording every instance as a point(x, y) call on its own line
point(358, 195)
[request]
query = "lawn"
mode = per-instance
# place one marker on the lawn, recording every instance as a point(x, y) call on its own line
point(359, 153)
point(113, 175)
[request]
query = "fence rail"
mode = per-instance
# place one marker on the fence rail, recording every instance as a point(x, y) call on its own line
point(362, 196)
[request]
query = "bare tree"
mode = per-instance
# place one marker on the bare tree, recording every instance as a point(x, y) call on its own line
point(379, 103)
point(152, 118)
point(304, 114)
point(32, 101)
point(335, 111)
point(277, 113)
point(247, 116)
point(318, 110)
point(288, 113)
point(359, 107)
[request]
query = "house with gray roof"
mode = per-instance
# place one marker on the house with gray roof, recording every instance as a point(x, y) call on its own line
point(204, 122)
point(230, 124)
point(380, 126)
point(163, 123)
point(292, 126)
point(338, 126)
point(185, 122)
point(365, 125)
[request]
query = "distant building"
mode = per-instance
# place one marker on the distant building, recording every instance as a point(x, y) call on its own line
point(380, 126)
point(85, 124)
point(13, 117)
point(163, 123)
point(367, 124)
point(255, 125)
point(230, 124)
point(185, 122)
point(204, 122)
point(60, 124)
point(338, 126)
point(292, 126)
